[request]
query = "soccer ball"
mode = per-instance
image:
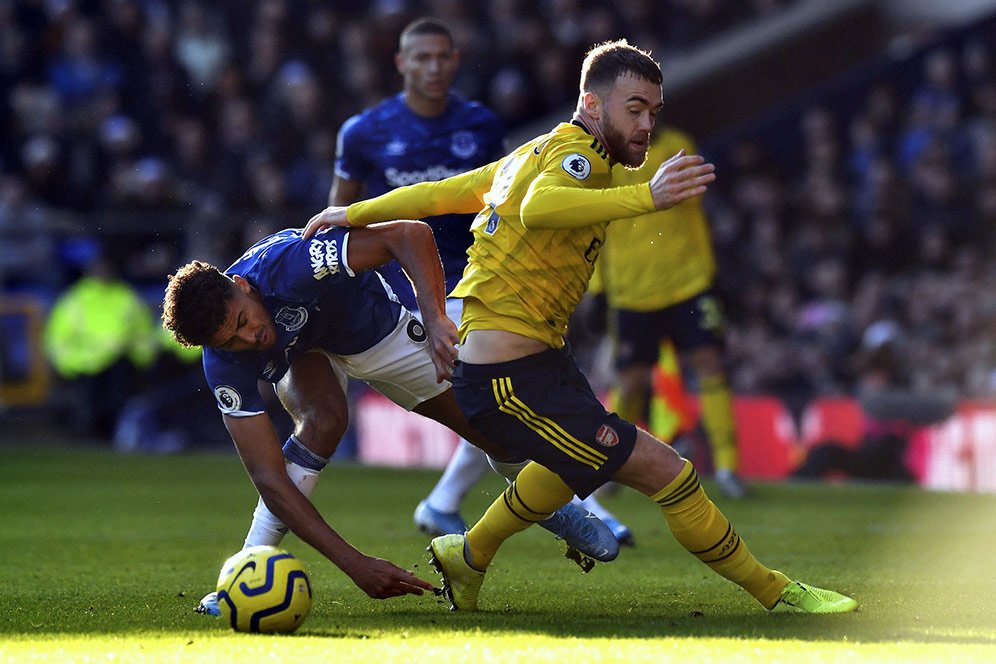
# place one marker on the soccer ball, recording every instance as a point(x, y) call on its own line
point(264, 589)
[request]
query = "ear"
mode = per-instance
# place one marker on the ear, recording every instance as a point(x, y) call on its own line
point(399, 63)
point(242, 284)
point(592, 104)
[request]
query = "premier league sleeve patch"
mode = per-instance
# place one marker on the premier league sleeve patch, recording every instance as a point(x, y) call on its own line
point(577, 166)
point(229, 399)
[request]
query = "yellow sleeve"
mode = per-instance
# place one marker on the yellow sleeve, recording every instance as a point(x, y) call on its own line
point(460, 194)
point(548, 203)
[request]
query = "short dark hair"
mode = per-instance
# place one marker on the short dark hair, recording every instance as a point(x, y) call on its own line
point(196, 303)
point(605, 62)
point(427, 25)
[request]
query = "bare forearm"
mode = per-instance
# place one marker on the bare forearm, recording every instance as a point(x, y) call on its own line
point(297, 513)
point(419, 258)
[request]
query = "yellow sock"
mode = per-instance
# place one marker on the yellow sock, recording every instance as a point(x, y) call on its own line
point(717, 420)
point(700, 527)
point(535, 494)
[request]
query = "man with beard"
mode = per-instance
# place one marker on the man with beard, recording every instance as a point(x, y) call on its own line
point(428, 132)
point(545, 211)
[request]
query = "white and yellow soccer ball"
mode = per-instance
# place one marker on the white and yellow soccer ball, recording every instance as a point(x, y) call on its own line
point(264, 589)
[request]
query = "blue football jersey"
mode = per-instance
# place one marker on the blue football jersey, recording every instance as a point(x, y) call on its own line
point(316, 301)
point(389, 146)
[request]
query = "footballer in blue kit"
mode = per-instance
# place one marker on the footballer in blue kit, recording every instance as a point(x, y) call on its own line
point(424, 133)
point(305, 315)
point(316, 300)
point(427, 133)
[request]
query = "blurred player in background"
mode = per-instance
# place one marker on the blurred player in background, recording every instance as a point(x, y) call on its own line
point(542, 216)
point(427, 133)
point(657, 276)
point(302, 316)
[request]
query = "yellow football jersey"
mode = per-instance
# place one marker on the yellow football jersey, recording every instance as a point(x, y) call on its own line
point(653, 261)
point(545, 209)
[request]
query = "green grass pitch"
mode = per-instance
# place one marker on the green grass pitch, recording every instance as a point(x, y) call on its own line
point(103, 557)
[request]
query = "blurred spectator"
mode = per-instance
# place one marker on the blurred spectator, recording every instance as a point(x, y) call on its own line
point(98, 337)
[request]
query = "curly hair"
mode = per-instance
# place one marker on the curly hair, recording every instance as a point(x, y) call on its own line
point(195, 304)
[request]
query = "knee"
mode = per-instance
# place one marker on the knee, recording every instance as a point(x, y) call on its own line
point(321, 432)
point(652, 465)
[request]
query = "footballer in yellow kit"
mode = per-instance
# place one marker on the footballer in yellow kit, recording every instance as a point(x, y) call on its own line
point(527, 277)
point(542, 213)
point(531, 278)
point(657, 272)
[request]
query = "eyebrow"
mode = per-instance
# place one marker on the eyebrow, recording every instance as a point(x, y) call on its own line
point(643, 100)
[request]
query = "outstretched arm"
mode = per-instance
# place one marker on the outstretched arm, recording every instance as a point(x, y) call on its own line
point(460, 194)
point(259, 448)
point(553, 202)
point(412, 245)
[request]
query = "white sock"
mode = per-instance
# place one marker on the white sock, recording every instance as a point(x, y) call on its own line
point(266, 528)
point(467, 465)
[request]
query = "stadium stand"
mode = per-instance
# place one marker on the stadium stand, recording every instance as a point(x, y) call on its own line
point(856, 191)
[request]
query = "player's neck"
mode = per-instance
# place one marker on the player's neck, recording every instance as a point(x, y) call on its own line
point(590, 125)
point(424, 107)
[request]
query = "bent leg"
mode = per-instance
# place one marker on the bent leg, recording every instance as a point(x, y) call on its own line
point(534, 495)
point(656, 470)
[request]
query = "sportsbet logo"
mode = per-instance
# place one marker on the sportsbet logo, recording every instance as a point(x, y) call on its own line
point(324, 256)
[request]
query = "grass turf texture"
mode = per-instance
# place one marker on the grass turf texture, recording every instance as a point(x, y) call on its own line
point(104, 556)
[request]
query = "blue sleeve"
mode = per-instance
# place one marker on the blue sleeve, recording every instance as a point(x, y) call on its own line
point(351, 162)
point(233, 383)
point(299, 270)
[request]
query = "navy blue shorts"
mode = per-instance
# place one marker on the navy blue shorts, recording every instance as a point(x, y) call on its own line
point(697, 321)
point(541, 407)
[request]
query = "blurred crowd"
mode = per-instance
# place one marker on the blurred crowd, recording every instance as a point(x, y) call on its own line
point(153, 104)
point(882, 232)
point(875, 227)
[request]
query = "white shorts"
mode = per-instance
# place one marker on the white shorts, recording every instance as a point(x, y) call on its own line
point(399, 366)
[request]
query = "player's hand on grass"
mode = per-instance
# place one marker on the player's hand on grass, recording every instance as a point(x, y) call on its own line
point(382, 579)
point(679, 178)
point(333, 215)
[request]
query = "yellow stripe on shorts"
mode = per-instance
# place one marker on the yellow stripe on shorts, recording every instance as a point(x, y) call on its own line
point(544, 426)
